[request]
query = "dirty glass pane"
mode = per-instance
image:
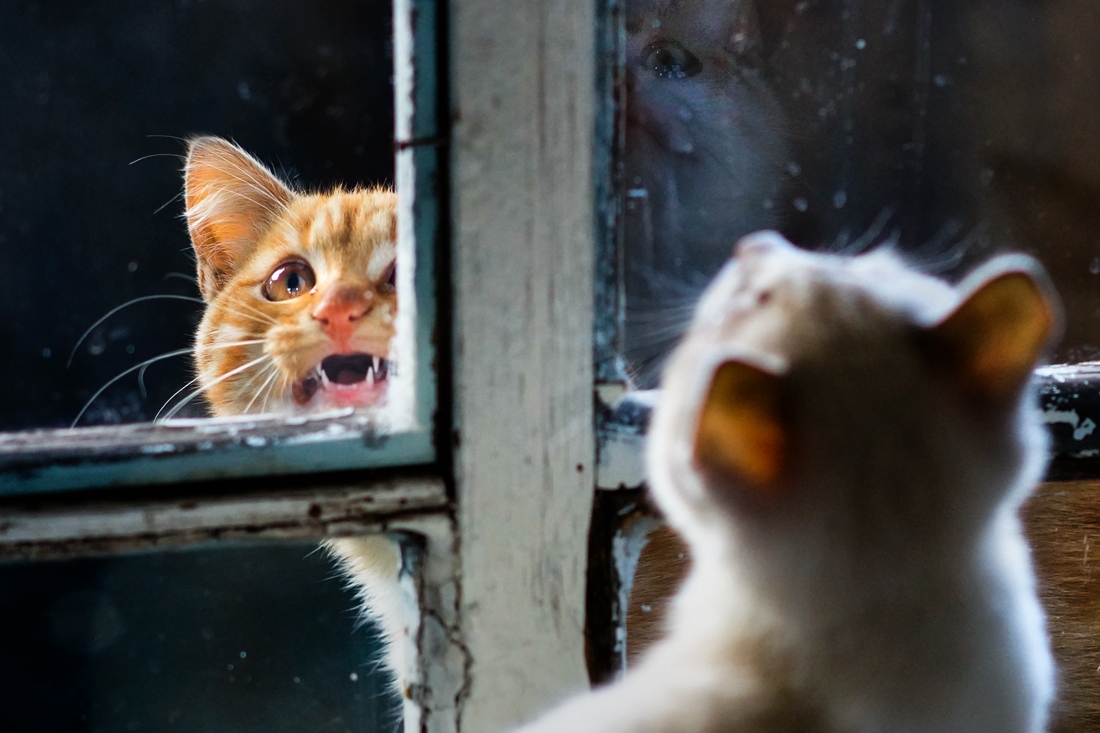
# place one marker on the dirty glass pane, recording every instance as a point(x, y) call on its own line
point(258, 637)
point(951, 129)
point(98, 98)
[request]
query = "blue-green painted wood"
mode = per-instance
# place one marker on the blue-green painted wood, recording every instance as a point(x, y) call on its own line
point(426, 148)
point(142, 454)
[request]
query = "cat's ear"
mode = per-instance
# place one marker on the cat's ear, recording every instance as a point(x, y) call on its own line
point(230, 198)
point(993, 339)
point(743, 430)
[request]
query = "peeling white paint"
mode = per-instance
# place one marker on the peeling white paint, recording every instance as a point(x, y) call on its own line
point(626, 549)
point(1086, 428)
point(621, 461)
point(1063, 416)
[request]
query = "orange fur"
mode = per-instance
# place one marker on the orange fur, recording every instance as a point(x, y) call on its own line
point(253, 353)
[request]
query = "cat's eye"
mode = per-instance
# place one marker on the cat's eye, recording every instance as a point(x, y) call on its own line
point(289, 280)
point(670, 60)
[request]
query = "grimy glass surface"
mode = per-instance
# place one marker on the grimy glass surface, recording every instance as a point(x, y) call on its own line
point(242, 638)
point(952, 129)
point(98, 97)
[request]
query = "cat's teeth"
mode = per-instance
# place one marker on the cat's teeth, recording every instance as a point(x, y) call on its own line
point(376, 363)
point(370, 377)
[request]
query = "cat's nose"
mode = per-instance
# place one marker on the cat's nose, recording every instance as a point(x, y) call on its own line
point(340, 308)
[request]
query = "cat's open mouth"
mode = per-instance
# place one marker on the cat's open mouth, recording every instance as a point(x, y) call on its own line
point(342, 380)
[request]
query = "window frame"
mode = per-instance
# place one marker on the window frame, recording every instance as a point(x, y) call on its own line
point(180, 451)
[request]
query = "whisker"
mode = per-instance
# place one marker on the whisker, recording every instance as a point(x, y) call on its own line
point(267, 396)
point(177, 138)
point(134, 368)
point(167, 203)
point(250, 312)
point(141, 373)
point(182, 276)
point(154, 155)
point(184, 387)
point(179, 406)
point(174, 396)
point(272, 367)
point(116, 309)
point(181, 389)
point(262, 389)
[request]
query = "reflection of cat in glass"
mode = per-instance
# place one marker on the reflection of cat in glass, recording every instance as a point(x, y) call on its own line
point(702, 162)
point(845, 444)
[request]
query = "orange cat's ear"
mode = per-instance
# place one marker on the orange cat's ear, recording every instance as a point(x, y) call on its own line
point(231, 198)
point(993, 340)
point(743, 430)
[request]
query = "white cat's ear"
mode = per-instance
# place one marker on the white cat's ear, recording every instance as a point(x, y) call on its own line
point(993, 339)
point(743, 429)
point(230, 198)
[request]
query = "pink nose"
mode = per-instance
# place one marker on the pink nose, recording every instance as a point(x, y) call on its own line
point(340, 308)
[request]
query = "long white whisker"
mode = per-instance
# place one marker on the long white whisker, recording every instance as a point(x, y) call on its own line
point(141, 373)
point(176, 394)
point(253, 313)
point(179, 406)
point(231, 344)
point(134, 368)
point(168, 203)
point(116, 309)
point(272, 367)
point(154, 155)
point(263, 388)
point(263, 407)
point(184, 387)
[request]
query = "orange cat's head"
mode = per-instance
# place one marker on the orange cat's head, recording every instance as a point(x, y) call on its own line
point(300, 288)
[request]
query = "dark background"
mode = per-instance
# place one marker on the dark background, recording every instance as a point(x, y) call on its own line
point(244, 638)
point(95, 101)
point(954, 128)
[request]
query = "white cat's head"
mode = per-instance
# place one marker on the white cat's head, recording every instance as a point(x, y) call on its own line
point(828, 420)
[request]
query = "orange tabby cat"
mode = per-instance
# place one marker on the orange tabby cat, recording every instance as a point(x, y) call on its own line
point(300, 287)
point(301, 314)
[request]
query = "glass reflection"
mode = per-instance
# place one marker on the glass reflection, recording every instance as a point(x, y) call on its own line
point(950, 130)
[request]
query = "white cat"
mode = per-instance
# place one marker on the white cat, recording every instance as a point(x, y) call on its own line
point(844, 443)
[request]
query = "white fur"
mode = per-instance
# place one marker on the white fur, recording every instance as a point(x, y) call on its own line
point(373, 565)
point(890, 590)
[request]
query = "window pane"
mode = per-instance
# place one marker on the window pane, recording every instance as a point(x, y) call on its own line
point(952, 129)
point(243, 637)
point(99, 98)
